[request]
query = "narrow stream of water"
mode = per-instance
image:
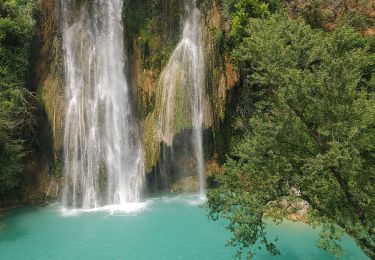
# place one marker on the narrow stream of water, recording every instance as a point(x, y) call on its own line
point(182, 84)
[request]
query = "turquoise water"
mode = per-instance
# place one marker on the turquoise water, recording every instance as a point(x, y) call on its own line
point(166, 228)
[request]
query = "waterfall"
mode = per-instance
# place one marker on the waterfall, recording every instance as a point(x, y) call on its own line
point(102, 147)
point(185, 73)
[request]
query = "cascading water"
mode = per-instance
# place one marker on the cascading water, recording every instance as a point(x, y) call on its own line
point(103, 153)
point(185, 72)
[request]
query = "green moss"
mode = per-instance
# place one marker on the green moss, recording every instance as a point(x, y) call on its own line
point(220, 43)
point(59, 168)
point(153, 29)
point(153, 52)
point(182, 108)
point(151, 143)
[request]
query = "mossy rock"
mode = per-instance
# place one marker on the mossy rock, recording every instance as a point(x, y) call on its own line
point(187, 184)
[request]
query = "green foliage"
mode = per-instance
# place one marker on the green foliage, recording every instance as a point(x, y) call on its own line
point(308, 106)
point(328, 14)
point(151, 22)
point(220, 42)
point(314, 14)
point(241, 11)
point(356, 20)
point(16, 31)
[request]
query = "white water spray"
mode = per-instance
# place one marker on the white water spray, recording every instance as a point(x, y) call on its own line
point(185, 72)
point(103, 154)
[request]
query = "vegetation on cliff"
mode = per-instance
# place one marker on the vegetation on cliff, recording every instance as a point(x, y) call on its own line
point(303, 126)
point(302, 116)
point(16, 109)
point(152, 32)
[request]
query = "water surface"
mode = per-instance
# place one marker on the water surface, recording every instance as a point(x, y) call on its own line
point(161, 228)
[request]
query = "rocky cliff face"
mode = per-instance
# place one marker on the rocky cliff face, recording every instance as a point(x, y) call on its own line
point(152, 30)
point(43, 175)
point(50, 72)
point(151, 43)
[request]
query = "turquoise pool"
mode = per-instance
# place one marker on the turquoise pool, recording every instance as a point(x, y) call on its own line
point(160, 228)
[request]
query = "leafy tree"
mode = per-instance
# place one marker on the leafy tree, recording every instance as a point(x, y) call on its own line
point(240, 11)
point(308, 104)
point(16, 31)
point(328, 13)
